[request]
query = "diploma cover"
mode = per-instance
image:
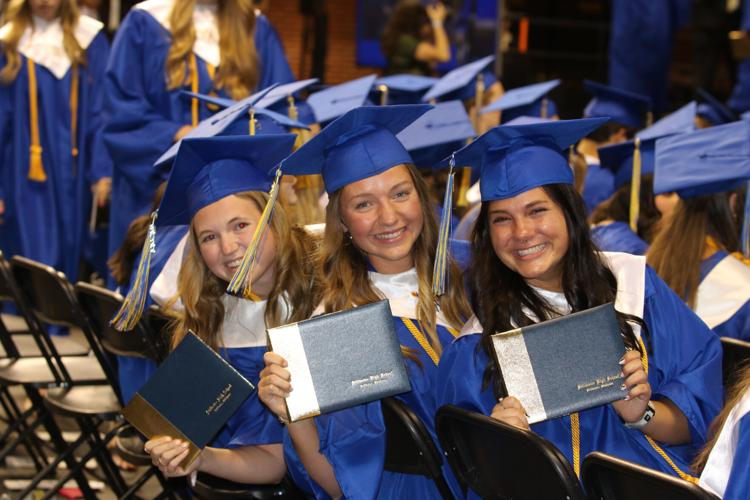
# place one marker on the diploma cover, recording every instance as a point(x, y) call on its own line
point(341, 359)
point(190, 396)
point(563, 365)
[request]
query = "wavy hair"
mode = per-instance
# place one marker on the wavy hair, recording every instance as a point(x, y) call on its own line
point(617, 208)
point(344, 269)
point(201, 291)
point(239, 71)
point(501, 297)
point(18, 14)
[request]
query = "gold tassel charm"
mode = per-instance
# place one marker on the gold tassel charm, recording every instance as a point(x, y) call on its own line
point(241, 283)
point(635, 187)
point(440, 267)
point(383, 89)
point(132, 307)
point(252, 122)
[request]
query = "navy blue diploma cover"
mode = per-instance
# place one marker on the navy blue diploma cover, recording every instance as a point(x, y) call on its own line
point(190, 396)
point(341, 359)
point(563, 365)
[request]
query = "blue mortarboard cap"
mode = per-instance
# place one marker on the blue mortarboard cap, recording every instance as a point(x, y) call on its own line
point(260, 112)
point(528, 120)
point(523, 101)
point(337, 100)
point(622, 106)
point(703, 162)
point(360, 144)
point(281, 92)
point(216, 124)
point(437, 133)
point(515, 158)
point(402, 89)
point(619, 157)
point(209, 169)
point(714, 110)
point(461, 78)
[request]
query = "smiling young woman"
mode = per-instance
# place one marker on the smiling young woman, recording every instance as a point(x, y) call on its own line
point(379, 242)
point(534, 260)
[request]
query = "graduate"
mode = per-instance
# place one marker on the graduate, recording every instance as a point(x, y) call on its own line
point(219, 187)
point(693, 253)
point(534, 260)
point(628, 220)
point(379, 242)
point(51, 77)
point(162, 48)
point(627, 112)
point(725, 461)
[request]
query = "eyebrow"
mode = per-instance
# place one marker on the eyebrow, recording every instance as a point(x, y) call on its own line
point(528, 205)
point(400, 185)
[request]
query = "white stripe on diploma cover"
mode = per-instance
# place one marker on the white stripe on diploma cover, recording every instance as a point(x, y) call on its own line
point(287, 343)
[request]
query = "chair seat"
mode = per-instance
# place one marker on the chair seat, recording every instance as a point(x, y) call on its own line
point(212, 487)
point(129, 445)
point(98, 400)
point(35, 371)
point(14, 323)
point(27, 346)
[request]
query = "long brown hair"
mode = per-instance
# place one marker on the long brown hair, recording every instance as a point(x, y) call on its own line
point(201, 291)
point(18, 14)
point(617, 208)
point(239, 71)
point(677, 251)
point(734, 395)
point(501, 296)
point(408, 18)
point(344, 269)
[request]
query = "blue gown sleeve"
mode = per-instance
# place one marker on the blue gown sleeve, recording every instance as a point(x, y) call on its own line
point(739, 477)
point(100, 164)
point(274, 65)
point(135, 132)
point(684, 358)
point(460, 375)
point(738, 326)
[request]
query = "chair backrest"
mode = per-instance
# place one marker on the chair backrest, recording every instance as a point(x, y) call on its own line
point(100, 305)
point(497, 460)
point(736, 355)
point(52, 300)
point(609, 478)
point(409, 447)
point(8, 293)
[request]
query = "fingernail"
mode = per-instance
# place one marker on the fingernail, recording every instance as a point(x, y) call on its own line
point(627, 397)
point(623, 387)
point(622, 360)
point(184, 445)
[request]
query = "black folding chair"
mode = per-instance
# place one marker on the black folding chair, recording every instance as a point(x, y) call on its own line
point(736, 354)
point(497, 460)
point(409, 447)
point(210, 487)
point(610, 478)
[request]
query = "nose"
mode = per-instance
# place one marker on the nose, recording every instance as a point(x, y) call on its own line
point(388, 214)
point(522, 229)
point(228, 245)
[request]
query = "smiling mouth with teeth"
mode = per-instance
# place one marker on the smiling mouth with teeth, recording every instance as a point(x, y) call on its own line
point(528, 251)
point(390, 236)
point(234, 263)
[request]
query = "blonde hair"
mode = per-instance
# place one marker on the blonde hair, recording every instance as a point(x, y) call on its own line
point(344, 269)
point(239, 71)
point(201, 291)
point(18, 14)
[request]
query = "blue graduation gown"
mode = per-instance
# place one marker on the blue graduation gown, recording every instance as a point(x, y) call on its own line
point(737, 324)
point(143, 116)
point(133, 372)
point(739, 101)
point(353, 440)
point(618, 237)
point(598, 185)
point(253, 423)
point(46, 221)
point(684, 365)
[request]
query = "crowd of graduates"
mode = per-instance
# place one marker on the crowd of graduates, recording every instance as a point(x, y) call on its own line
point(240, 200)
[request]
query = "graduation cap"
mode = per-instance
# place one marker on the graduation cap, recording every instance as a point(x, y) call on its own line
point(677, 122)
point(703, 162)
point(516, 158)
point(622, 106)
point(402, 89)
point(205, 171)
point(357, 145)
point(459, 83)
point(338, 99)
point(714, 110)
point(527, 120)
point(529, 100)
point(437, 133)
point(216, 124)
point(281, 92)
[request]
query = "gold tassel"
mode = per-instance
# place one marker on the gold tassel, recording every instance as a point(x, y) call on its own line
point(383, 89)
point(440, 267)
point(74, 114)
point(545, 108)
point(241, 283)
point(36, 168)
point(132, 307)
point(252, 121)
point(635, 187)
point(194, 88)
